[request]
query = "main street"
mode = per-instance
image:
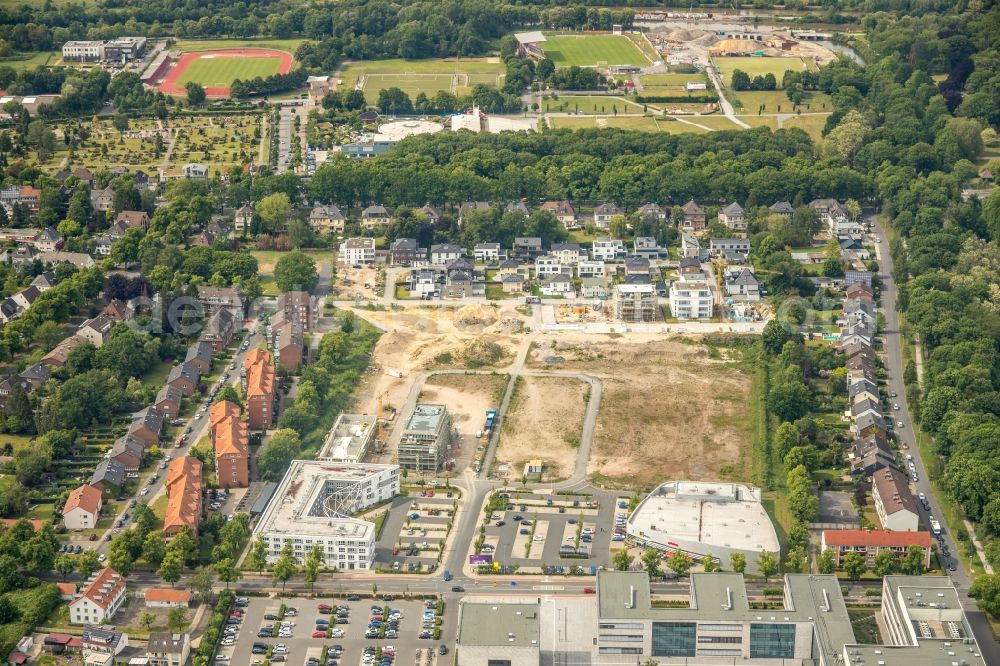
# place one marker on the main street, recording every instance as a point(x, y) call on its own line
point(893, 358)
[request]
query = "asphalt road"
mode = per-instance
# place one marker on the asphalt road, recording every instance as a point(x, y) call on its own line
point(892, 346)
point(199, 428)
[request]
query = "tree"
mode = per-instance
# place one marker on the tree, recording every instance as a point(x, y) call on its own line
point(227, 571)
point(120, 556)
point(88, 563)
point(147, 620)
point(545, 68)
point(651, 560)
point(785, 438)
point(622, 560)
point(202, 582)
point(177, 620)
point(314, 558)
point(185, 545)
point(738, 562)
point(258, 555)
point(170, 567)
point(775, 336)
point(143, 519)
point(789, 400)
point(795, 561)
point(679, 563)
point(195, 93)
point(274, 210)
point(230, 393)
point(48, 334)
point(740, 80)
point(709, 565)
point(885, 563)
point(854, 564)
point(767, 564)
point(913, 561)
point(284, 568)
point(279, 452)
point(296, 271)
point(826, 561)
point(986, 591)
point(65, 565)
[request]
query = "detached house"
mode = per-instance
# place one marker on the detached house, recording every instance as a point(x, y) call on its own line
point(97, 330)
point(243, 219)
point(83, 508)
point(445, 252)
point(431, 213)
point(652, 211)
point(603, 214)
point(568, 254)
point(782, 208)
point(327, 219)
point(526, 248)
point(694, 217)
point(742, 284)
point(100, 599)
point(102, 199)
point(109, 477)
point(486, 253)
point(138, 219)
point(734, 217)
point(166, 649)
point(607, 249)
point(375, 216)
point(213, 299)
point(564, 212)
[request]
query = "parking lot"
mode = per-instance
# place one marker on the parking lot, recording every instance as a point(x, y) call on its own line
point(415, 530)
point(299, 644)
point(537, 531)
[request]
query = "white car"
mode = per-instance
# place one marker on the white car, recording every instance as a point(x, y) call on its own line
point(337, 633)
point(144, 491)
point(538, 537)
point(222, 657)
point(280, 648)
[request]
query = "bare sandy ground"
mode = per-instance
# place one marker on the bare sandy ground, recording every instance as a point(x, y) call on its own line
point(668, 410)
point(544, 421)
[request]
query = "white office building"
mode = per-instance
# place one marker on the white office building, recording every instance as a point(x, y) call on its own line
point(314, 504)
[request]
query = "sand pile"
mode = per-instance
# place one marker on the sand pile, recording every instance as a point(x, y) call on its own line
point(475, 315)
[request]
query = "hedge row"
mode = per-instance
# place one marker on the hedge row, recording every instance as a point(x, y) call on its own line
point(677, 99)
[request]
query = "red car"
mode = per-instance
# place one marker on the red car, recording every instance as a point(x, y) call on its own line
point(319, 634)
point(325, 607)
point(589, 590)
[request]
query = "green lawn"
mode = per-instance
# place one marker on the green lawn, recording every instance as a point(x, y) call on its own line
point(219, 72)
point(592, 50)
point(670, 84)
point(759, 66)
point(428, 76)
point(29, 60)
point(776, 101)
point(598, 104)
point(644, 123)
point(813, 125)
point(17, 441)
point(157, 375)
point(411, 84)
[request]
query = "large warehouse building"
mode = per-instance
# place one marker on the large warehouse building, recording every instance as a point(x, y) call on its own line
point(697, 518)
point(314, 504)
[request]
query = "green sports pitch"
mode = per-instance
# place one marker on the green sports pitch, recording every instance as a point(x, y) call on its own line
point(592, 50)
point(220, 71)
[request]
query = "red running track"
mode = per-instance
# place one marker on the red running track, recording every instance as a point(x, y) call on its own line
point(169, 84)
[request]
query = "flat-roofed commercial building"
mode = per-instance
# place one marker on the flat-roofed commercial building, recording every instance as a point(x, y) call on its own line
point(810, 627)
point(702, 518)
point(426, 438)
point(499, 634)
point(350, 439)
point(314, 504)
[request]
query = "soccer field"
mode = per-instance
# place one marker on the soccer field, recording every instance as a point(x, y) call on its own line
point(592, 50)
point(411, 84)
point(760, 66)
point(220, 72)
